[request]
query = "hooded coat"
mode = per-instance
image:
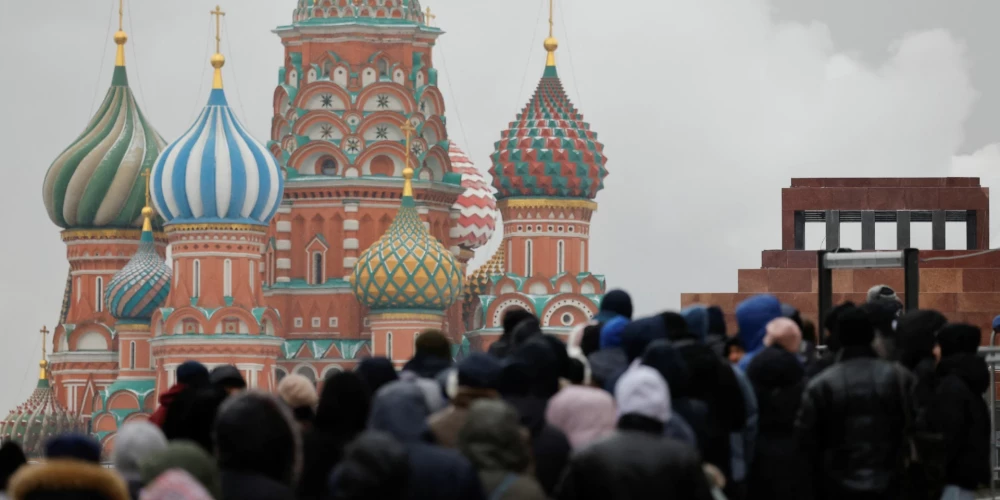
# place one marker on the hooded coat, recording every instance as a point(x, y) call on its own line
point(584, 414)
point(962, 416)
point(375, 467)
point(714, 383)
point(493, 439)
point(752, 316)
point(341, 415)
point(777, 471)
point(174, 484)
point(666, 359)
point(637, 462)
point(189, 457)
point(399, 409)
point(136, 441)
point(258, 448)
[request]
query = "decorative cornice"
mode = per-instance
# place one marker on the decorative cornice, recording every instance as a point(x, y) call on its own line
point(406, 316)
point(190, 228)
point(546, 203)
point(108, 234)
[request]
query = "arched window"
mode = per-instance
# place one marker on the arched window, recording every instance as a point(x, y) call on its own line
point(227, 278)
point(388, 346)
point(383, 68)
point(253, 270)
point(317, 268)
point(196, 278)
point(328, 166)
point(99, 289)
point(79, 289)
point(131, 355)
point(560, 257)
point(528, 258)
point(583, 256)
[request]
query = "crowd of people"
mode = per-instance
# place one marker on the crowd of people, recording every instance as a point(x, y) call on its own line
point(667, 406)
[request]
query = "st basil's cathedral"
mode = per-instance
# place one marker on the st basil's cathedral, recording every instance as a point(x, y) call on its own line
point(344, 236)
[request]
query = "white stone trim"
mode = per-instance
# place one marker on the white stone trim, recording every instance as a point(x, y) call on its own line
point(283, 263)
point(350, 262)
point(283, 245)
point(351, 244)
point(350, 207)
point(352, 225)
point(284, 226)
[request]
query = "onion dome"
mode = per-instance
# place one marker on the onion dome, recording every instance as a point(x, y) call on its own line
point(216, 172)
point(548, 150)
point(478, 282)
point(96, 182)
point(407, 268)
point(374, 11)
point(143, 284)
point(38, 419)
point(476, 206)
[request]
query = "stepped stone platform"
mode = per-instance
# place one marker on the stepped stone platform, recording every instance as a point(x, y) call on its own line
point(962, 284)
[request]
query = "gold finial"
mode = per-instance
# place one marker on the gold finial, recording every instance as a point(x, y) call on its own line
point(428, 17)
point(120, 36)
point(147, 211)
point(551, 44)
point(43, 365)
point(218, 60)
point(407, 129)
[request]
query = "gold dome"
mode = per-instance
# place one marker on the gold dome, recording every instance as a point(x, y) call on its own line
point(407, 268)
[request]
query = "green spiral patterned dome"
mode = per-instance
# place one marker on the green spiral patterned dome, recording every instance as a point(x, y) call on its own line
point(407, 268)
point(142, 285)
point(97, 181)
point(37, 420)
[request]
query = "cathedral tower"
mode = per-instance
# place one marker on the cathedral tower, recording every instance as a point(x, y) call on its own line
point(94, 191)
point(547, 168)
point(217, 189)
point(354, 74)
point(407, 279)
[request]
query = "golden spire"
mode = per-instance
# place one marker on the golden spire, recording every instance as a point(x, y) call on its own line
point(218, 60)
point(120, 36)
point(407, 129)
point(428, 17)
point(551, 44)
point(43, 372)
point(147, 211)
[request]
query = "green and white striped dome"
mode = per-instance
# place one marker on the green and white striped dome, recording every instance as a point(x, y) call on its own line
point(97, 181)
point(37, 420)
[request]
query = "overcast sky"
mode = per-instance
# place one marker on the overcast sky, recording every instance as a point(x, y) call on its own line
point(706, 109)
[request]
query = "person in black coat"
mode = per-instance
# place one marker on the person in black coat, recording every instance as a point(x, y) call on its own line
point(400, 410)
point(341, 415)
point(850, 426)
point(637, 462)
point(959, 411)
point(375, 467)
point(258, 448)
point(713, 383)
point(777, 472)
point(530, 377)
point(505, 344)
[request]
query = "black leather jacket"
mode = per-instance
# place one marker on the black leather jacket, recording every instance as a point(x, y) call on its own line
point(850, 426)
point(635, 465)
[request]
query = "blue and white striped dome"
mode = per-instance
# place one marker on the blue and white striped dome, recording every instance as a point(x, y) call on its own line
point(216, 173)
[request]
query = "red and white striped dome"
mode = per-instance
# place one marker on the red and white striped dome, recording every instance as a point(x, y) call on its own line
point(477, 206)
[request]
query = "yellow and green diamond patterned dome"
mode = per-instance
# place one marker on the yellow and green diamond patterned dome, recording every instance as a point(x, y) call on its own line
point(407, 268)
